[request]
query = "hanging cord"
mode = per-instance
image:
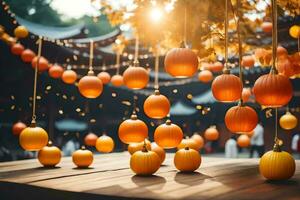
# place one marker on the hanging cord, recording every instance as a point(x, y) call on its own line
point(239, 13)
point(276, 125)
point(118, 63)
point(274, 36)
point(156, 85)
point(91, 56)
point(136, 49)
point(185, 25)
point(226, 34)
point(298, 43)
point(33, 121)
point(134, 104)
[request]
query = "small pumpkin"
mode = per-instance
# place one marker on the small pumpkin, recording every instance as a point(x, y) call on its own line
point(49, 155)
point(288, 121)
point(285, 67)
point(90, 139)
point(243, 141)
point(105, 144)
point(295, 31)
point(246, 94)
point(267, 27)
point(187, 160)
point(199, 140)
point(55, 71)
point(138, 146)
point(21, 32)
point(135, 77)
point(117, 80)
point(69, 76)
point(211, 133)
point(27, 55)
point(205, 76)
point(157, 106)
point(248, 61)
point(17, 49)
point(43, 64)
point(188, 142)
point(82, 158)
point(90, 86)
point(104, 77)
point(160, 151)
point(18, 128)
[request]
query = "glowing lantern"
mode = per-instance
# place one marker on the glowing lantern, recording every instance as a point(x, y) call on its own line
point(205, 76)
point(135, 77)
point(295, 31)
point(27, 55)
point(90, 86)
point(49, 155)
point(266, 27)
point(246, 93)
point(17, 49)
point(211, 133)
point(90, 139)
point(105, 144)
point(248, 61)
point(43, 63)
point(18, 128)
point(243, 141)
point(55, 71)
point(69, 76)
point(117, 80)
point(104, 77)
point(33, 138)
point(21, 32)
point(288, 121)
point(157, 106)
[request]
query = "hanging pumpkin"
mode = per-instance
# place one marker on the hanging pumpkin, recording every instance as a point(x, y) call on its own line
point(246, 93)
point(168, 135)
point(241, 119)
point(105, 144)
point(205, 76)
point(187, 160)
point(33, 138)
point(216, 67)
point(181, 62)
point(288, 121)
point(211, 133)
point(273, 90)
point(248, 61)
point(43, 63)
point(27, 55)
point(69, 76)
point(117, 80)
point(82, 158)
point(199, 140)
point(133, 130)
point(55, 71)
point(277, 164)
point(90, 86)
point(266, 27)
point(157, 106)
point(21, 32)
point(281, 52)
point(295, 31)
point(49, 155)
point(243, 141)
point(226, 87)
point(144, 162)
point(104, 77)
point(18, 128)
point(90, 139)
point(188, 142)
point(285, 67)
point(135, 77)
point(17, 49)
point(138, 146)
point(159, 151)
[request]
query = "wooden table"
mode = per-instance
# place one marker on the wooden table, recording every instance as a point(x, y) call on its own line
point(111, 178)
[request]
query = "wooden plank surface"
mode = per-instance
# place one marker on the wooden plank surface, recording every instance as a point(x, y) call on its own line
point(110, 177)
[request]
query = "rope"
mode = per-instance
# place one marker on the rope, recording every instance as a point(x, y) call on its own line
point(185, 26)
point(136, 50)
point(276, 125)
point(156, 85)
point(91, 55)
point(118, 63)
point(226, 33)
point(274, 34)
point(239, 13)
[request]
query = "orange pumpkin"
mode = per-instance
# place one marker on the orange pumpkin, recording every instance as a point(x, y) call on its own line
point(199, 140)
point(56, 71)
point(241, 119)
point(205, 76)
point(288, 121)
point(168, 135)
point(104, 77)
point(273, 90)
point(43, 63)
point(135, 77)
point(17, 49)
point(246, 93)
point(285, 66)
point(216, 67)
point(281, 52)
point(105, 144)
point(138, 146)
point(90, 139)
point(33, 138)
point(49, 155)
point(133, 130)
point(18, 128)
point(266, 27)
point(90, 86)
point(69, 76)
point(188, 142)
point(187, 160)
point(211, 133)
point(248, 61)
point(117, 80)
point(295, 31)
point(157, 106)
point(82, 158)
point(243, 141)
point(181, 62)
point(27, 55)
point(21, 32)
point(226, 87)
point(159, 151)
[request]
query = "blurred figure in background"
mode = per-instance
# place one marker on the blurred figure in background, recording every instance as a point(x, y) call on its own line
point(231, 150)
point(257, 141)
point(70, 146)
point(296, 144)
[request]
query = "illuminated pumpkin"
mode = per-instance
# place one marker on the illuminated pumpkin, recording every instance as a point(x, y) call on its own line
point(288, 121)
point(133, 130)
point(90, 139)
point(273, 90)
point(33, 138)
point(285, 67)
point(211, 133)
point(199, 140)
point(159, 151)
point(168, 135)
point(241, 119)
point(49, 155)
point(157, 106)
point(187, 160)
point(246, 93)
point(18, 128)
point(181, 62)
point(104, 77)
point(43, 63)
point(82, 158)
point(69, 76)
point(56, 71)
point(105, 144)
point(117, 80)
point(226, 87)
point(266, 27)
point(248, 61)
point(205, 76)
point(17, 49)
point(27, 55)
point(188, 142)
point(243, 141)
point(21, 32)
point(216, 67)
point(295, 31)
point(281, 52)
point(135, 77)
point(90, 86)
point(138, 146)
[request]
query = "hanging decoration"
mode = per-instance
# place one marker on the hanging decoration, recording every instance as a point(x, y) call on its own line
point(55, 71)
point(205, 76)
point(117, 79)
point(267, 27)
point(211, 133)
point(27, 55)
point(188, 142)
point(295, 31)
point(243, 141)
point(82, 158)
point(90, 139)
point(198, 140)
point(17, 49)
point(159, 151)
point(69, 76)
point(104, 77)
point(187, 160)
point(21, 32)
point(18, 127)
point(288, 121)
point(134, 147)
point(246, 94)
point(105, 144)
point(248, 61)
point(43, 64)
point(49, 156)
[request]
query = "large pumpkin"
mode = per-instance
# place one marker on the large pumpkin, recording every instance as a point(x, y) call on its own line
point(90, 139)
point(243, 141)
point(168, 135)
point(273, 90)
point(288, 121)
point(133, 130)
point(49, 155)
point(135, 77)
point(226, 87)
point(17, 49)
point(105, 144)
point(90, 86)
point(117, 80)
point(188, 142)
point(241, 119)
point(33, 138)
point(181, 62)
point(211, 133)
point(199, 140)
point(159, 151)
point(205, 76)
point(55, 71)
point(43, 63)
point(27, 55)
point(69, 76)
point(18, 128)
point(138, 146)
point(157, 106)
point(104, 77)
point(187, 160)
point(82, 158)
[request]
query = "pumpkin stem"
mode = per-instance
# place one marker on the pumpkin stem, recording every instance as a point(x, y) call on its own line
point(156, 92)
point(33, 123)
point(226, 71)
point(186, 148)
point(136, 63)
point(49, 143)
point(133, 116)
point(82, 147)
point(91, 73)
point(277, 146)
point(168, 122)
point(144, 147)
point(183, 45)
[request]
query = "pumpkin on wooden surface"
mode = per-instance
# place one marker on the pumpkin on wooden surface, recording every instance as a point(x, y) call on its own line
point(49, 155)
point(199, 140)
point(17, 49)
point(243, 141)
point(133, 130)
point(157, 106)
point(145, 162)
point(69, 76)
point(105, 144)
point(55, 71)
point(90, 86)
point(33, 138)
point(188, 142)
point(159, 150)
point(27, 55)
point(267, 27)
point(294, 31)
point(288, 121)
point(273, 90)
point(117, 80)
point(246, 93)
point(211, 133)
point(205, 76)
point(43, 63)
point(187, 160)
point(248, 61)
point(18, 127)
point(104, 77)
point(181, 62)
point(21, 32)
point(90, 139)
point(168, 135)
point(82, 158)
point(138, 146)
point(135, 77)
point(277, 164)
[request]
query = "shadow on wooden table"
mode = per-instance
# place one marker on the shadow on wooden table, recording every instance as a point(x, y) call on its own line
point(144, 181)
point(289, 182)
point(191, 178)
